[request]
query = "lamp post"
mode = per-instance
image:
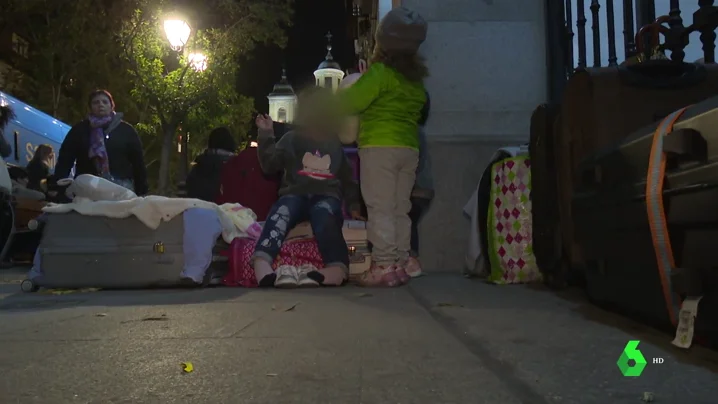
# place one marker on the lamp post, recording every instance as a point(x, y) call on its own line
point(177, 32)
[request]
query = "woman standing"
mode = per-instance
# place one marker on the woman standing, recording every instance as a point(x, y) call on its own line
point(38, 169)
point(104, 145)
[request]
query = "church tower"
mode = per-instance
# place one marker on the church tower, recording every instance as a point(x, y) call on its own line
point(329, 73)
point(282, 101)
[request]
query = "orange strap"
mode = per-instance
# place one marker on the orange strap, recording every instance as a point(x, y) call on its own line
point(657, 215)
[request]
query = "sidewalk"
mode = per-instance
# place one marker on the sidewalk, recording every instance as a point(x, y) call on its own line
point(443, 339)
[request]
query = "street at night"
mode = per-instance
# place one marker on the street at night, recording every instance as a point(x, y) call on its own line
point(444, 339)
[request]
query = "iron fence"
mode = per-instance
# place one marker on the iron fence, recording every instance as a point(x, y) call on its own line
point(570, 43)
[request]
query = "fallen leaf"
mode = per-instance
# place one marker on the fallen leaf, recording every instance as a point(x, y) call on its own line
point(68, 291)
point(448, 305)
point(59, 291)
point(101, 315)
point(156, 319)
point(187, 367)
point(292, 307)
point(272, 374)
point(362, 294)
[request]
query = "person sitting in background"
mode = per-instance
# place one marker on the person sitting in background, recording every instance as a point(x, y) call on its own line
point(422, 194)
point(204, 179)
point(38, 169)
point(20, 188)
point(317, 176)
point(14, 179)
point(105, 146)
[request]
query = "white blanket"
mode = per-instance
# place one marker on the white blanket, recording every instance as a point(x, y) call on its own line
point(150, 210)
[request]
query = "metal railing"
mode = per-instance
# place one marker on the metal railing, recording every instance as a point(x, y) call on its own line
point(569, 41)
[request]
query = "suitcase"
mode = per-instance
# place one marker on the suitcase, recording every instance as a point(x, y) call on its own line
point(80, 251)
point(354, 232)
point(601, 106)
point(243, 182)
point(298, 249)
point(544, 193)
point(633, 262)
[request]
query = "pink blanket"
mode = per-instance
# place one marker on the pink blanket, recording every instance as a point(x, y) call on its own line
point(294, 252)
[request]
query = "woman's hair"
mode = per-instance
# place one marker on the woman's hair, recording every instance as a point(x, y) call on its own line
point(410, 64)
point(221, 138)
point(317, 110)
point(94, 95)
point(43, 152)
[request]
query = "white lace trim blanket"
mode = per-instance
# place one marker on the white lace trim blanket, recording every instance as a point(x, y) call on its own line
point(150, 210)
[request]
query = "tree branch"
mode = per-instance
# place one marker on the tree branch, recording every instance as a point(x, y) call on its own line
point(128, 49)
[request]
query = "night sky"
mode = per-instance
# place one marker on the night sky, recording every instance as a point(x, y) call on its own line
point(306, 49)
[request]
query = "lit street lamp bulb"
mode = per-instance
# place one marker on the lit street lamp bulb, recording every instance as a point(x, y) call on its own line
point(177, 32)
point(198, 61)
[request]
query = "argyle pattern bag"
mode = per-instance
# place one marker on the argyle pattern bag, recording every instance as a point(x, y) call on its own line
point(509, 228)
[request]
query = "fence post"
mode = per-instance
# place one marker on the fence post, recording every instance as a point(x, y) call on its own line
point(556, 47)
point(645, 12)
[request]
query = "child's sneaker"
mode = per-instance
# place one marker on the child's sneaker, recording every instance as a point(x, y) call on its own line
point(287, 277)
point(379, 276)
point(413, 267)
point(303, 279)
point(400, 271)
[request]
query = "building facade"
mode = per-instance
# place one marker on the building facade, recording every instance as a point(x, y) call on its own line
point(14, 50)
point(282, 101)
point(329, 73)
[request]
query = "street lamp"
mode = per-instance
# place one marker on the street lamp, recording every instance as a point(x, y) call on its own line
point(177, 33)
point(198, 61)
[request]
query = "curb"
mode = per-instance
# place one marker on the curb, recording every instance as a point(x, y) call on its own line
point(13, 275)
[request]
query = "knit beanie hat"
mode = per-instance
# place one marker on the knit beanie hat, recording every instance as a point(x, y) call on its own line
point(402, 30)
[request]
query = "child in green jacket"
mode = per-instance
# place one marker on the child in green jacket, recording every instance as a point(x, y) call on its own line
point(388, 99)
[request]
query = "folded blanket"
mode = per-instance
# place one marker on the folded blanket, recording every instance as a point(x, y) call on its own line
point(153, 210)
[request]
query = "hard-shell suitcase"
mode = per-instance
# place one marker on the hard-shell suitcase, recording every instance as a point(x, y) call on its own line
point(80, 251)
point(601, 106)
point(354, 232)
point(544, 193)
point(645, 216)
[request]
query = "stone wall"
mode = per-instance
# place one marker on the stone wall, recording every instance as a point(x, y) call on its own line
point(488, 72)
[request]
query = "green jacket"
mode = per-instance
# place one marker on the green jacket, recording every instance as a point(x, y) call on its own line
point(389, 107)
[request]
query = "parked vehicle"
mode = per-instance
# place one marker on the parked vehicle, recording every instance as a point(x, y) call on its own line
point(29, 129)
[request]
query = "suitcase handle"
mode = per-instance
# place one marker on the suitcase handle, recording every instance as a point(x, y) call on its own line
point(656, 28)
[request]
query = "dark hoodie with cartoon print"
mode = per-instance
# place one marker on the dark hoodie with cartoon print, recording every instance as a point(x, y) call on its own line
point(310, 166)
point(204, 178)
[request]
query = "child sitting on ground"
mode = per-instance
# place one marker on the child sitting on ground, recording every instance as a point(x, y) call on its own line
point(389, 97)
point(317, 177)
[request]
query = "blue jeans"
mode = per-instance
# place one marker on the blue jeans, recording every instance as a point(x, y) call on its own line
point(325, 216)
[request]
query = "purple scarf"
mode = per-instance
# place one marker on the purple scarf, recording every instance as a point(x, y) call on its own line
point(98, 152)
